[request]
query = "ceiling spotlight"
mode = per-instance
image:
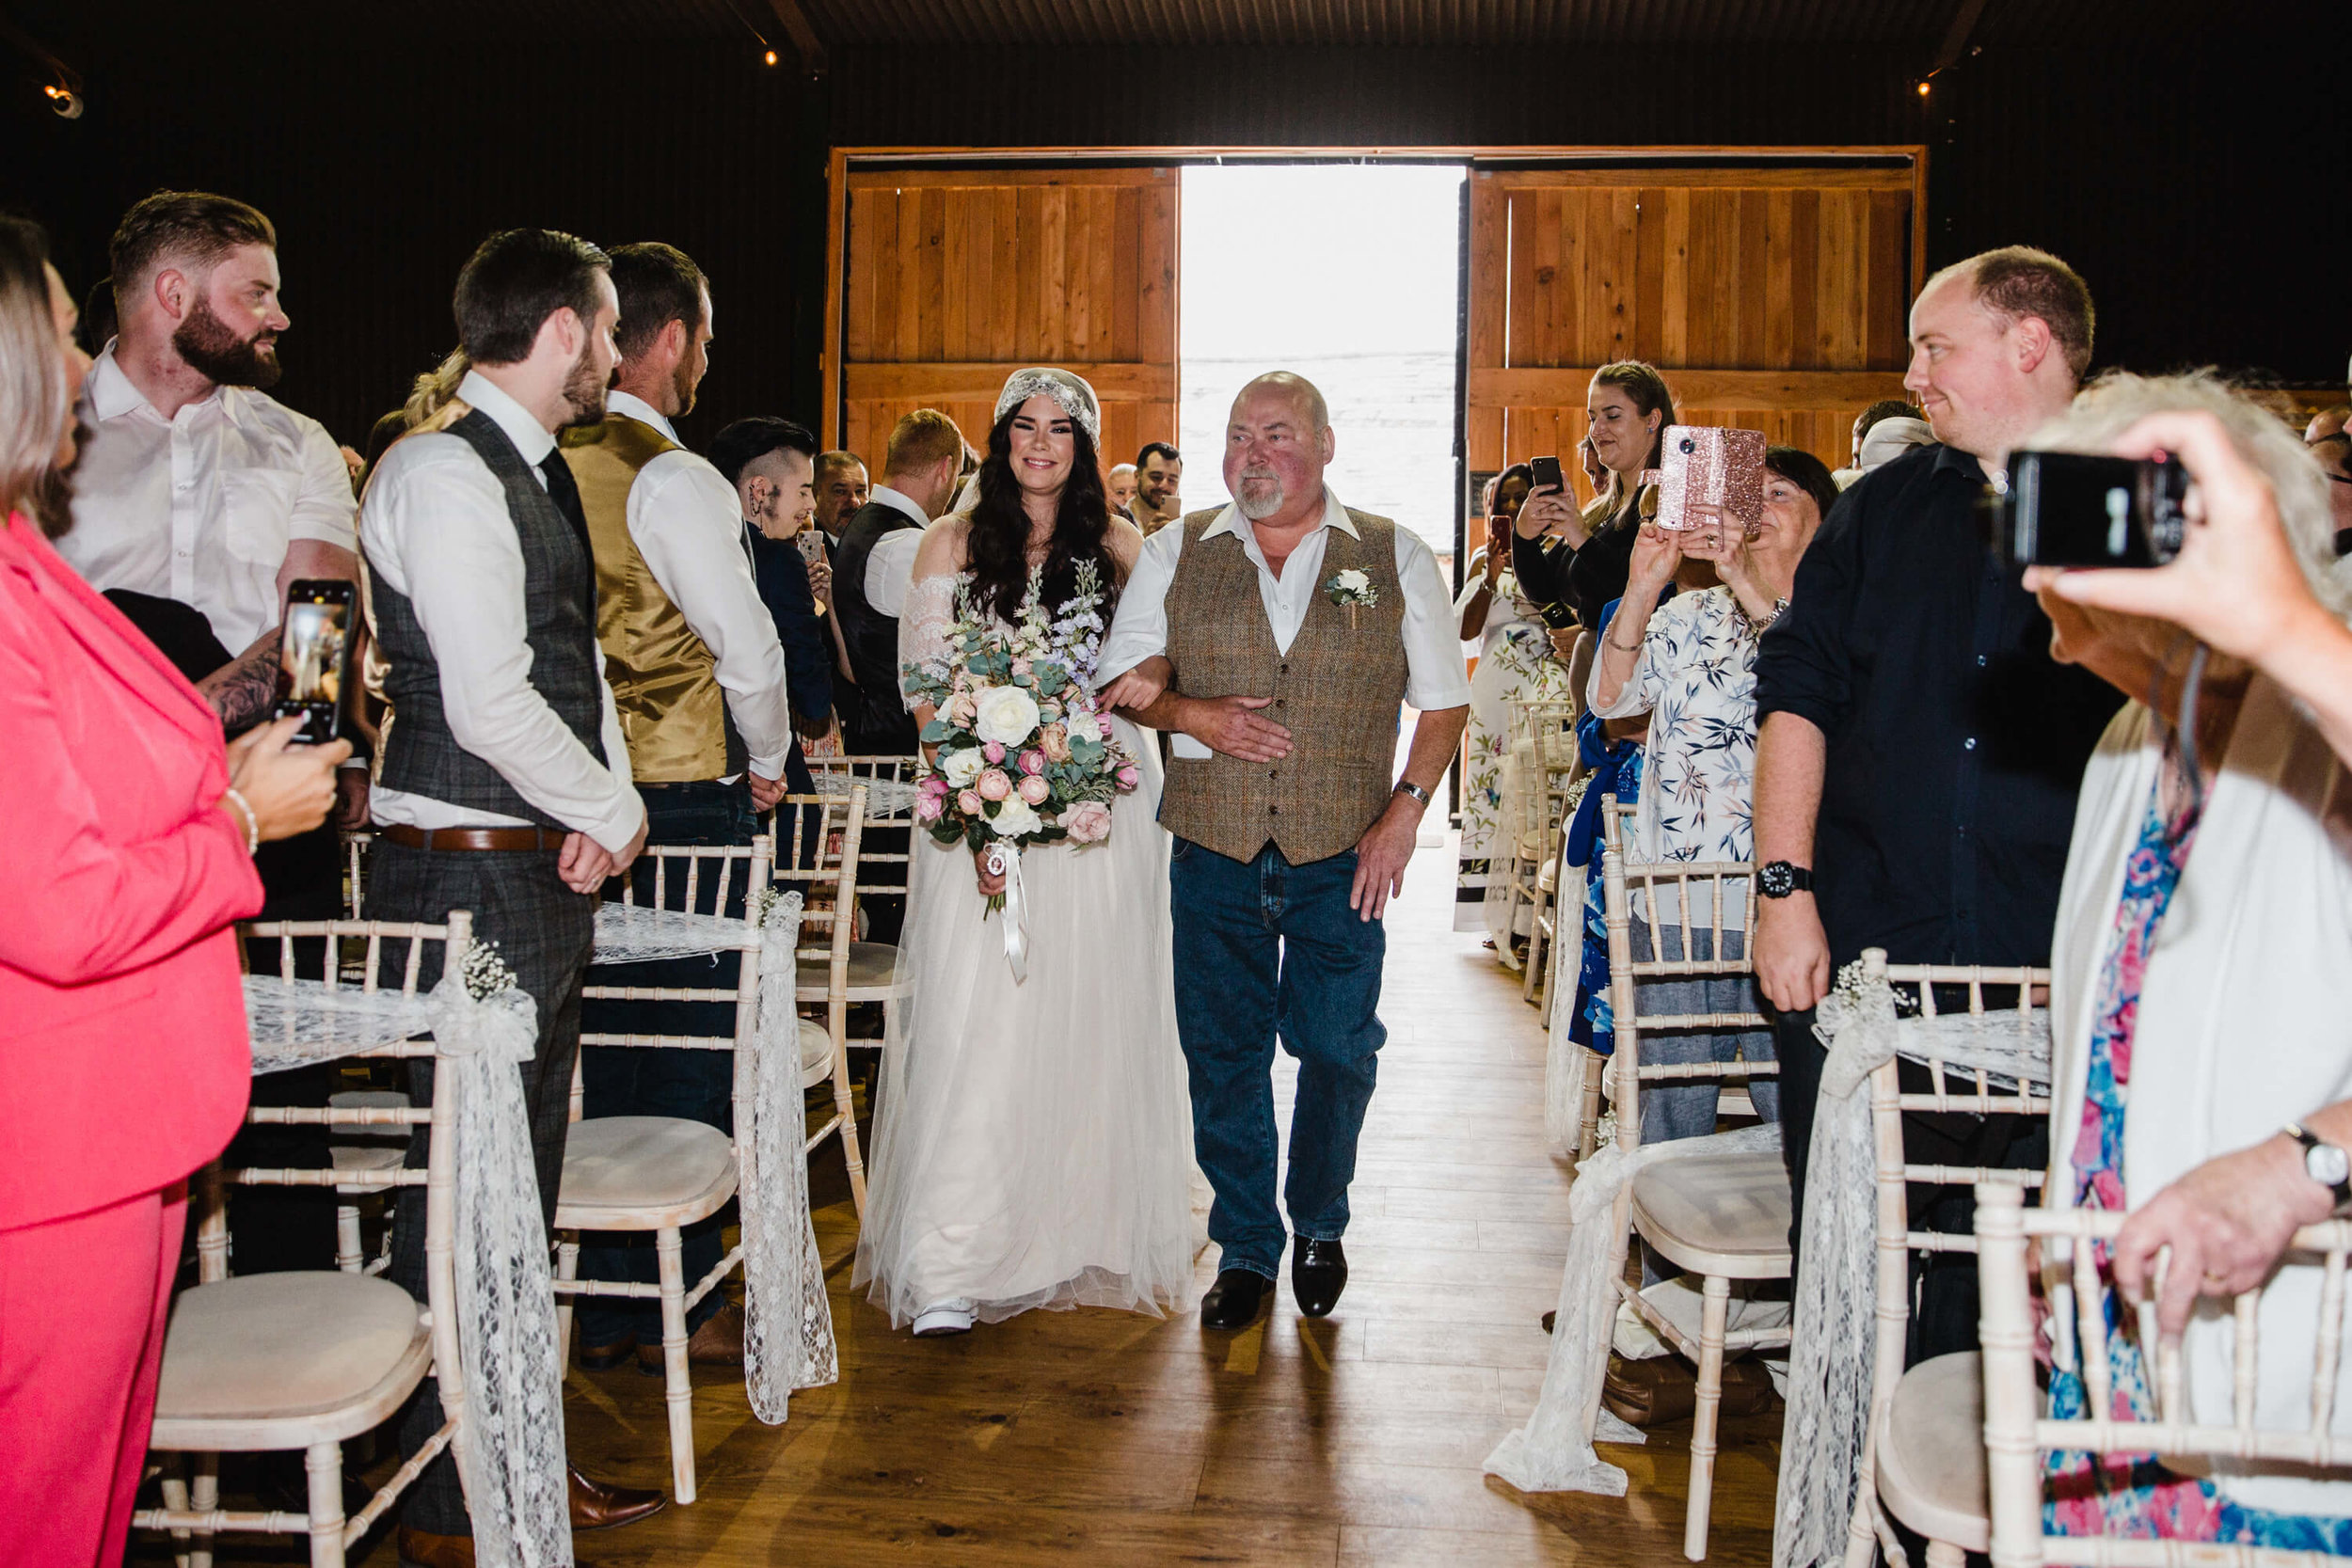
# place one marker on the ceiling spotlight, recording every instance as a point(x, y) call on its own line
point(1923, 89)
point(769, 56)
point(65, 101)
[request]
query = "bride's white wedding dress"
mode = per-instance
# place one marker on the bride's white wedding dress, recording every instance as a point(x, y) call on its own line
point(1035, 1145)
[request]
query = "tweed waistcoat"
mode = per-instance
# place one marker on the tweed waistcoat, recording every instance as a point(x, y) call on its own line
point(1340, 690)
point(419, 753)
point(874, 716)
point(665, 682)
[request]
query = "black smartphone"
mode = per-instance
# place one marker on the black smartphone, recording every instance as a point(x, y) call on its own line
point(1547, 475)
point(2070, 509)
point(314, 657)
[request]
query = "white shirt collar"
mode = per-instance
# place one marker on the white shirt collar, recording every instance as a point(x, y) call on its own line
point(532, 440)
point(1231, 521)
point(630, 406)
point(112, 393)
point(883, 494)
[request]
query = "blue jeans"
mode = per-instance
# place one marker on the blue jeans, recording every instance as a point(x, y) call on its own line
point(1266, 949)
point(650, 1080)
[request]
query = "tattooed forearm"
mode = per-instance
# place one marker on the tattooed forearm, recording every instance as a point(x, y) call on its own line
point(240, 691)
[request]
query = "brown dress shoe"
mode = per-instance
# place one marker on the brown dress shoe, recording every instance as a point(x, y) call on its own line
point(422, 1549)
point(717, 1343)
point(596, 1506)
point(603, 1358)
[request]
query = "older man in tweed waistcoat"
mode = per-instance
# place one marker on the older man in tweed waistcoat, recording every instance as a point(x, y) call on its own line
point(1282, 707)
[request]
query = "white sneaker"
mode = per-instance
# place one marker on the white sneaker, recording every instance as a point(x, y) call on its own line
point(945, 1318)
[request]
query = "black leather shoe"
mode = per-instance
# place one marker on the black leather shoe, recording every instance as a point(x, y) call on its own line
point(1318, 1275)
point(1235, 1300)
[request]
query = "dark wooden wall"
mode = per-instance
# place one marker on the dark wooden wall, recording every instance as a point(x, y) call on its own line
point(2199, 186)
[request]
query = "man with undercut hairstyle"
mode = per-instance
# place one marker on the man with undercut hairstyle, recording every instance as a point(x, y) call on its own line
point(504, 781)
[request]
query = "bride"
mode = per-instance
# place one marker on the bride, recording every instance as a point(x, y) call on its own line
point(1035, 1138)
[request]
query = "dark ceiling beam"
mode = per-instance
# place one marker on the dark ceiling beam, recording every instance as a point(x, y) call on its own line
point(804, 40)
point(1956, 36)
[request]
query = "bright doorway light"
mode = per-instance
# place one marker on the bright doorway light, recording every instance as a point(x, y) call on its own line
point(1350, 275)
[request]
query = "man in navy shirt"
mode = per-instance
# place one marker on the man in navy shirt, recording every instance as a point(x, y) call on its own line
point(1920, 750)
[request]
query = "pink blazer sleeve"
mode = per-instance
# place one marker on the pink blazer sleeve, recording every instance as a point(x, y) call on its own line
point(103, 907)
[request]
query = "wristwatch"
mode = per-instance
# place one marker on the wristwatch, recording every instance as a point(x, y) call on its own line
point(1779, 878)
point(1406, 787)
point(2325, 1164)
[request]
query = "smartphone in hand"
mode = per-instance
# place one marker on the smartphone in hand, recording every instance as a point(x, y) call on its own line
point(315, 653)
point(1547, 475)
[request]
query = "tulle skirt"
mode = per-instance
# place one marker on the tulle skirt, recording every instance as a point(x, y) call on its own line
point(1035, 1143)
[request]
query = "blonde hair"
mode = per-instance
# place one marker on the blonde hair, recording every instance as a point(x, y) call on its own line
point(2109, 407)
point(920, 439)
point(435, 388)
point(33, 406)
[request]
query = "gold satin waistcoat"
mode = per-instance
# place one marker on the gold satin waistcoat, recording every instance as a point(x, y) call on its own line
point(664, 680)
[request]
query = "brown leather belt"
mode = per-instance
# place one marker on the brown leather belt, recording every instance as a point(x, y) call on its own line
point(473, 838)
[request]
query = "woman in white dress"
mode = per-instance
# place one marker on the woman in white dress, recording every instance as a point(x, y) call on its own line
point(1515, 663)
point(1035, 1142)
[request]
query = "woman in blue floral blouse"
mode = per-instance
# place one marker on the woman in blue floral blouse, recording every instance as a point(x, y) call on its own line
point(1692, 670)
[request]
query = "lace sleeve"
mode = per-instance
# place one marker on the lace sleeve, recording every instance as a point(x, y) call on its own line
point(931, 609)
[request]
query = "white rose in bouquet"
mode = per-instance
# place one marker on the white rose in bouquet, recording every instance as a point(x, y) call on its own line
point(1016, 818)
point(1005, 715)
point(960, 767)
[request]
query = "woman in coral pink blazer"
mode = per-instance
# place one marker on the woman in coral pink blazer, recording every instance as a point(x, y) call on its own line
point(126, 834)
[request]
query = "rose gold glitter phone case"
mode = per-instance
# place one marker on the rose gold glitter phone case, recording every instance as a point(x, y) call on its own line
point(1710, 466)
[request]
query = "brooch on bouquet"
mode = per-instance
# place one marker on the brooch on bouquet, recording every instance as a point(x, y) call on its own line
point(1024, 757)
point(1353, 592)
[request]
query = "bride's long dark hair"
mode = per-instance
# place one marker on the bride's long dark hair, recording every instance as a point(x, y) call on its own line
point(997, 547)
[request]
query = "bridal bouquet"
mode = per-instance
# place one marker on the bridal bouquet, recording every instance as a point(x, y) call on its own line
point(1024, 757)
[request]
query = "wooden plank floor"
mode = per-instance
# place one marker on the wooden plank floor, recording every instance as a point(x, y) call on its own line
point(1096, 1436)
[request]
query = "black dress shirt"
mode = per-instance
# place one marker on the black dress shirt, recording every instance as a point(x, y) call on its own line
point(783, 578)
point(1573, 585)
point(1956, 744)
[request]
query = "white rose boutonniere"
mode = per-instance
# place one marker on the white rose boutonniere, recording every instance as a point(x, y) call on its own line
point(1352, 590)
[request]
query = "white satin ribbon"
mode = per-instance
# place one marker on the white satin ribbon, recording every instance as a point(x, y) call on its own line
point(1003, 860)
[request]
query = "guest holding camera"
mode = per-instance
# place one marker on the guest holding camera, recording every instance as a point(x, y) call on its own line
point(2207, 911)
point(1577, 560)
point(122, 1031)
point(1692, 671)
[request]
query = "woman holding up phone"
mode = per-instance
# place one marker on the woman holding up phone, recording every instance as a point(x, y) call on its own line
point(1515, 664)
point(1575, 562)
point(124, 1064)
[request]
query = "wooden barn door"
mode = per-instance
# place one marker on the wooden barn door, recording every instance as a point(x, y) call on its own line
point(951, 278)
point(1771, 296)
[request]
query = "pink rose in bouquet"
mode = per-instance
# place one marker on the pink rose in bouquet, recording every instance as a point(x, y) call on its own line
point(1034, 788)
point(994, 753)
point(994, 784)
point(961, 709)
point(1088, 822)
point(969, 802)
point(1053, 740)
point(1033, 762)
point(927, 806)
point(1129, 777)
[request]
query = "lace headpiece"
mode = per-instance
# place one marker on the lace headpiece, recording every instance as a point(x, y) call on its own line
point(1070, 393)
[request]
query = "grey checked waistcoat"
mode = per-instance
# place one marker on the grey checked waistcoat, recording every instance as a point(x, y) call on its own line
point(1340, 690)
point(420, 756)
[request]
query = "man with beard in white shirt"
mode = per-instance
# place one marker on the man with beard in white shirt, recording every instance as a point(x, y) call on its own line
point(197, 491)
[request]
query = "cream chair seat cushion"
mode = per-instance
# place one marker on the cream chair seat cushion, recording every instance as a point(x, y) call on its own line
point(643, 1173)
point(816, 1052)
point(1931, 1467)
point(873, 975)
point(284, 1360)
point(1717, 1213)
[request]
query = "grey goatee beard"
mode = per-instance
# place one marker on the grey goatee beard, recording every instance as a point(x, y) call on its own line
point(1258, 495)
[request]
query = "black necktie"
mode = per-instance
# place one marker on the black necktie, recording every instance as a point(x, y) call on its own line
point(566, 494)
